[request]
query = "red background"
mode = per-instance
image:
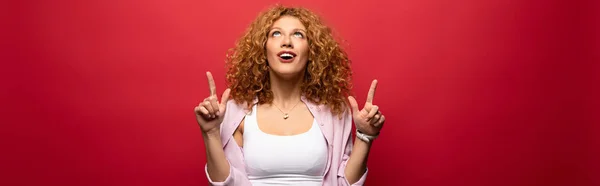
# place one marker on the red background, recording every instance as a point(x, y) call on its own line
point(475, 92)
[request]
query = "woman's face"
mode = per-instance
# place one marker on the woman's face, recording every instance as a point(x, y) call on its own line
point(287, 47)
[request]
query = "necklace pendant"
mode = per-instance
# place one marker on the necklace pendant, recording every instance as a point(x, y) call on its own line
point(286, 116)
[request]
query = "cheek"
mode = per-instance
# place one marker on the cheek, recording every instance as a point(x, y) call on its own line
point(271, 46)
point(303, 47)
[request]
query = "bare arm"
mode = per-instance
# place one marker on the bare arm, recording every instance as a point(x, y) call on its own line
point(369, 121)
point(217, 164)
point(209, 115)
point(357, 164)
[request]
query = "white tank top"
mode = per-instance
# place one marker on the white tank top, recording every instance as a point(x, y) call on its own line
point(284, 160)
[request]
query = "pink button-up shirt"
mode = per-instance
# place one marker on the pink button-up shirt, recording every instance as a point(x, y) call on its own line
point(337, 133)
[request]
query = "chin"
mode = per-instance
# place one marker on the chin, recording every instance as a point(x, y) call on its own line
point(286, 73)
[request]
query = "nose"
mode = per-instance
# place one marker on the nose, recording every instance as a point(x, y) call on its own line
point(287, 43)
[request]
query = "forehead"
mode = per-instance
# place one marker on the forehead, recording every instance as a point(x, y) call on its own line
point(288, 22)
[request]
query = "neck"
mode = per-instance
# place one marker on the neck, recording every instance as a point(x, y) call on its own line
point(286, 91)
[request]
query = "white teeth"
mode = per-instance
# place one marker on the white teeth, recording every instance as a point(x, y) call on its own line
point(286, 55)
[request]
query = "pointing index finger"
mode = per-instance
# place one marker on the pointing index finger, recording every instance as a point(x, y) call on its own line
point(372, 91)
point(211, 84)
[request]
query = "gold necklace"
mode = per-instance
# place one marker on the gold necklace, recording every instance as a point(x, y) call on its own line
point(286, 115)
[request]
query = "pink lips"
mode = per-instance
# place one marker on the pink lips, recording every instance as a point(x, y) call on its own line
point(286, 60)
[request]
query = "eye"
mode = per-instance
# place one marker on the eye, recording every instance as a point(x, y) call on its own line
point(298, 35)
point(276, 34)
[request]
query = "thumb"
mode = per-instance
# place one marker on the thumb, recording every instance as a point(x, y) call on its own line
point(224, 99)
point(353, 104)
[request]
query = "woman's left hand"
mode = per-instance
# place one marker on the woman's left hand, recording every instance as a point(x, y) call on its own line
point(369, 120)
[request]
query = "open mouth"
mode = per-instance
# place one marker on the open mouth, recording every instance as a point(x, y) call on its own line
point(286, 56)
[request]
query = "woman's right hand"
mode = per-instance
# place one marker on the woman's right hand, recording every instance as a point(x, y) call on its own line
point(210, 112)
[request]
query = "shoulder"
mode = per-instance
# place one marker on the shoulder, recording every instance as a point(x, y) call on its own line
point(233, 115)
point(232, 104)
point(333, 122)
point(326, 111)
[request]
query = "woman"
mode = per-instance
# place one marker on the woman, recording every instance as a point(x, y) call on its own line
point(288, 122)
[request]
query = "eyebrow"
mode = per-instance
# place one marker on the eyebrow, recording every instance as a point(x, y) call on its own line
point(295, 29)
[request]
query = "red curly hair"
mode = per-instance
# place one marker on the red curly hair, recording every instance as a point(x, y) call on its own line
point(328, 75)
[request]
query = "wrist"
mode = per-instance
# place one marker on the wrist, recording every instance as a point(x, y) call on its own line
point(365, 137)
point(212, 134)
point(361, 143)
